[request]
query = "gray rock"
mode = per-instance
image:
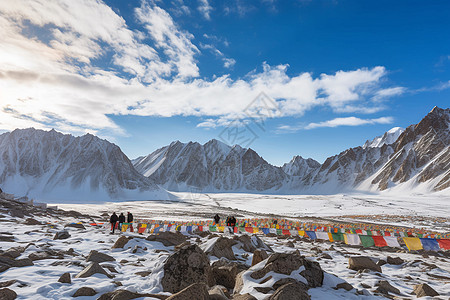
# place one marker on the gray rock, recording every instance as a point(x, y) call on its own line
point(99, 257)
point(31, 221)
point(7, 294)
point(197, 291)
point(290, 291)
point(84, 291)
point(362, 262)
point(258, 256)
point(385, 287)
point(225, 274)
point(74, 225)
point(24, 262)
point(344, 285)
point(90, 270)
point(185, 267)
point(244, 297)
point(127, 295)
point(422, 290)
point(222, 248)
point(286, 263)
point(61, 235)
point(217, 293)
point(7, 283)
point(394, 260)
point(121, 242)
point(287, 280)
point(168, 238)
point(65, 278)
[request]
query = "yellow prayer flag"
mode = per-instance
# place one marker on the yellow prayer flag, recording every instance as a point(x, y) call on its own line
point(301, 233)
point(124, 227)
point(413, 243)
point(330, 236)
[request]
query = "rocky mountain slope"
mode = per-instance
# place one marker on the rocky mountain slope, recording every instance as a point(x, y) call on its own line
point(212, 166)
point(53, 166)
point(416, 158)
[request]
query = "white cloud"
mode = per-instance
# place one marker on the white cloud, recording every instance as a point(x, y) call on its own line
point(58, 83)
point(389, 92)
point(229, 62)
point(350, 121)
point(205, 9)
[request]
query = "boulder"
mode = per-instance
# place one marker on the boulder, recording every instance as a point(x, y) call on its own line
point(7, 294)
point(61, 235)
point(286, 280)
point(286, 263)
point(243, 297)
point(65, 278)
point(31, 221)
point(127, 295)
point(217, 293)
point(24, 262)
point(258, 256)
point(223, 248)
point(75, 225)
point(168, 238)
point(84, 291)
point(11, 253)
point(7, 283)
point(99, 257)
point(385, 287)
point(394, 260)
point(362, 262)
point(225, 274)
point(184, 267)
point(198, 291)
point(422, 290)
point(90, 270)
point(121, 242)
point(344, 285)
point(290, 291)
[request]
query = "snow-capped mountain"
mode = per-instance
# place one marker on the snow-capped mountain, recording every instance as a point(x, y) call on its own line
point(299, 166)
point(388, 137)
point(53, 166)
point(418, 160)
point(213, 166)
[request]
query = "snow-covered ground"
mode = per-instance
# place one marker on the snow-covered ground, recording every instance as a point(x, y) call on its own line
point(191, 206)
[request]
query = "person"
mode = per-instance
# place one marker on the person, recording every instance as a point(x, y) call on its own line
point(233, 223)
point(121, 221)
point(228, 223)
point(216, 219)
point(130, 220)
point(113, 220)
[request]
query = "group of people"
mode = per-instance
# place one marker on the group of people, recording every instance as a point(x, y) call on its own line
point(117, 221)
point(230, 222)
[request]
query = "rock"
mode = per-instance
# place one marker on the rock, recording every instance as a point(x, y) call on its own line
point(366, 286)
point(65, 278)
point(127, 295)
point(239, 283)
point(422, 290)
point(40, 255)
point(394, 260)
point(24, 262)
point(290, 291)
point(225, 274)
point(61, 235)
point(381, 262)
point(326, 256)
point(84, 291)
point(290, 244)
point(362, 262)
point(121, 242)
point(16, 213)
point(143, 273)
point(6, 238)
point(186, 266)
point(385, 287)
point(222, 248)
point(258, 256)
point(7, 294)
point(31, 221)
point(12, 253)
point(287, 280)
point(75, 225)
point(198, 291)
point(7, 283)
point(286, 263)
point(167, 238)
point(90, 270)
point(99, 257)
point(217, 293)
point(244, 297)
point(344, 285)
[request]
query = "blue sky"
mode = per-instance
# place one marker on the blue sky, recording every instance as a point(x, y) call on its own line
point(144, 73)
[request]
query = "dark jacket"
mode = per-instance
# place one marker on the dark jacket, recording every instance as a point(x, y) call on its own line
point(216, 218)
point(114, 218)
point(121, 218)
point(129, 218)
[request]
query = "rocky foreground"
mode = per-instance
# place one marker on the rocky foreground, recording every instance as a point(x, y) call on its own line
point(45, 255)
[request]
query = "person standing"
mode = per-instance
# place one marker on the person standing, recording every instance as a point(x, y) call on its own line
point(233, 223)
point(217, 219)
point(121, 221)
point(113, 220)
point(130, 220)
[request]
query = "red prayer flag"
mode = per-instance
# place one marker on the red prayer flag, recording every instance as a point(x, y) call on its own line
point(444, 244)
point(379, 241)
